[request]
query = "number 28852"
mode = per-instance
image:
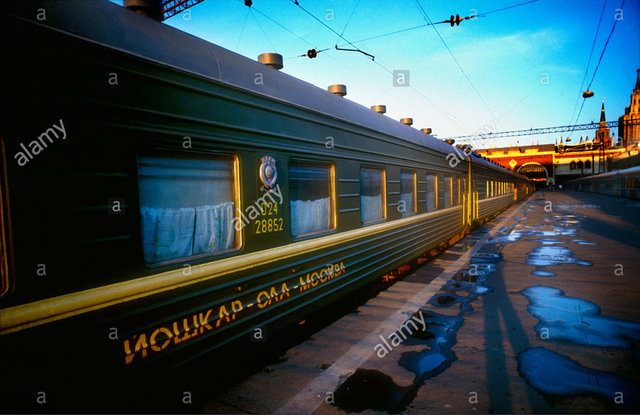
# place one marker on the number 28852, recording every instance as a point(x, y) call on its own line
point(268, 225)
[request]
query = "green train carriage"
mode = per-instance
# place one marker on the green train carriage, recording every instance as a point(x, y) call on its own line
point(131, 164)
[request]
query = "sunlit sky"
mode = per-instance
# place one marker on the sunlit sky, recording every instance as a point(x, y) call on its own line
point(527, 63)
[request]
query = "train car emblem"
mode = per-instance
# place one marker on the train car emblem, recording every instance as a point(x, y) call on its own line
point(268, 172)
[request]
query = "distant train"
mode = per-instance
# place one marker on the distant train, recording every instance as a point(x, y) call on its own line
point(621, 183)
point(163, 196)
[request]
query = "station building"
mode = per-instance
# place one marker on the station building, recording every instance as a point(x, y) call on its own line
point(564, 161)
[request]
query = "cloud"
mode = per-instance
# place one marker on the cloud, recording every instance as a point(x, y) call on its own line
point(528, 46)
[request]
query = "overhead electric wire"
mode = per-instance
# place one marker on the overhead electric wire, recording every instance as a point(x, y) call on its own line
point(330, 28)
point(586, 71)
point(437, 106)
point(349, 19)
point(445, 112)
point(283, 27)
point(605, 47)
point(426, 17)
point(395, 32)
point(246, 17)
point(599, 60)
point(263, 31)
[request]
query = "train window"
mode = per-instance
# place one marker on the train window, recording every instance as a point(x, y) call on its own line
point(5, 234)
point(408, 192)
point(453, 190)
point(587, 164)
point(187, 204)
point(432, 192)
point(372, 194)
point(488, 189)
point(312, 197)
point(448, 191)
point(458, 191)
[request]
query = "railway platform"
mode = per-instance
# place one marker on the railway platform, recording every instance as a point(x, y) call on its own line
point(535, 312)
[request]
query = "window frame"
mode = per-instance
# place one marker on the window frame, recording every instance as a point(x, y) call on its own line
point(383, 192)
point(333, 215)
point(415, 192)
point(435, 191)
point(236, 196)
point(7, 282)
point(444, 188)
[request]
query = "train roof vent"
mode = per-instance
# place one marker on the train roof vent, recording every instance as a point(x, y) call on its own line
point(450, 141)
point(149, 8)
point(272, 60)
point(407, 121)
point(338, 89)
point(380, 109)
point(426, 130)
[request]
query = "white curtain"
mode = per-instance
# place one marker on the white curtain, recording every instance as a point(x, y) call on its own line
point(308, 216)
point(167, 233)
point(170, 233)
point(447, 191)
point(407, 198)
point(214, 228)
point(371, 207)
point(431, 192)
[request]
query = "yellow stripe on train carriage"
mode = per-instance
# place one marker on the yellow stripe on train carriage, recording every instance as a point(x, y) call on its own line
point(33, 314)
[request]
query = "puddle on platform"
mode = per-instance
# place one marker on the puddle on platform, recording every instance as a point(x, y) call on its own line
point(575, 206)
point(555, 374)
point(583, 242)
point(445, 300)
point(517, 232)
point(577, 320)
point(485, 257)
point(553, 255)
point(440, 331)
point(476, 276)
point(427, 363)
point(543, 273)
point(372, 389)
point(454, 285)
point(549, 241)
point(482, 267)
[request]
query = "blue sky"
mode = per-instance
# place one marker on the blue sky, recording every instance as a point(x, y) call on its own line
point(527, 63)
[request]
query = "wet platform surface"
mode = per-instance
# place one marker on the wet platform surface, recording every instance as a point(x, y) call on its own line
point(536, 312)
